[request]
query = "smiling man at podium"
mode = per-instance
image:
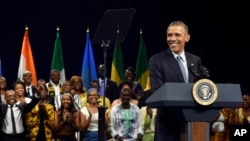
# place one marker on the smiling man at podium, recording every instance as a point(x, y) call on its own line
point(164, 67)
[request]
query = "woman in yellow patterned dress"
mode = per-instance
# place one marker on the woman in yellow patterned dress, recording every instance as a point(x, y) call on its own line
point(242, 114)
point(41, 119)
point(220, 127)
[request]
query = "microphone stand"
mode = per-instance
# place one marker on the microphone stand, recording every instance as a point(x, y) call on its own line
point(102, 109)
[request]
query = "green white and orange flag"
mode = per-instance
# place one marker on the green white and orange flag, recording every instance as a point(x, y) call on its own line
point(26, 62)
point(117, 69)
point(57, 60)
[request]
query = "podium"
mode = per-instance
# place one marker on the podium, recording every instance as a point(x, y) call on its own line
point(197, 117)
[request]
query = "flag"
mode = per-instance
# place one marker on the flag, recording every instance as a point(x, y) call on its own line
point(57, 60)
point(88, 64)
point(26, 62)
point(117, 68)
point(142, 71)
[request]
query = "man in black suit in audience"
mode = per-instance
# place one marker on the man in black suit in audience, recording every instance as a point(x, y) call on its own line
point(112, 91)
point(30, 88)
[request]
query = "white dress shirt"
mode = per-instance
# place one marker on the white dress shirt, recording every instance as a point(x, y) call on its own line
point(29, 90)
point(7, 127)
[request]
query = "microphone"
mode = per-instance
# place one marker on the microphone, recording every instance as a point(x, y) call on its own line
point(205, 71)
point(194, 70)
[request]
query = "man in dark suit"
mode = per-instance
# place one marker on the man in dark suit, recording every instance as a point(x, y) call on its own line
point(112, 91)
point(164, 67)
point(30, 88)
point(12, 117)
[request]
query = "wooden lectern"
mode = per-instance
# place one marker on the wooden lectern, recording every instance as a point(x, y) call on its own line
point(197, 117)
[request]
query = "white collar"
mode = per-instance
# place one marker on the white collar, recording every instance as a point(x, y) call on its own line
point(12, 105)
point(182, 56)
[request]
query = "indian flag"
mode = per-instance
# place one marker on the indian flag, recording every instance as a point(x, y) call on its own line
point(26, 62)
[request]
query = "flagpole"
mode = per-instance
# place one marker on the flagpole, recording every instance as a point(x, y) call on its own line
point(105, 36)
point(102, 109)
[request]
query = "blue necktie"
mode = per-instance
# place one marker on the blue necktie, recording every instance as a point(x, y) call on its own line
point(180, 62)
point(101, 91)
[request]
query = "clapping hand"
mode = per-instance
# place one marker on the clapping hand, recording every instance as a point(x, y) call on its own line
point(70, 118)
point(90, 114)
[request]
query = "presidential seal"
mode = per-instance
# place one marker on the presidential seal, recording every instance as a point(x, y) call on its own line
point(205, 92)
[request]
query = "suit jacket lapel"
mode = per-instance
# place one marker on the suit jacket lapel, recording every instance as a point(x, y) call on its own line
point(174, 64)
point(4, 110)
point(33, 88)
point(189, 62)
